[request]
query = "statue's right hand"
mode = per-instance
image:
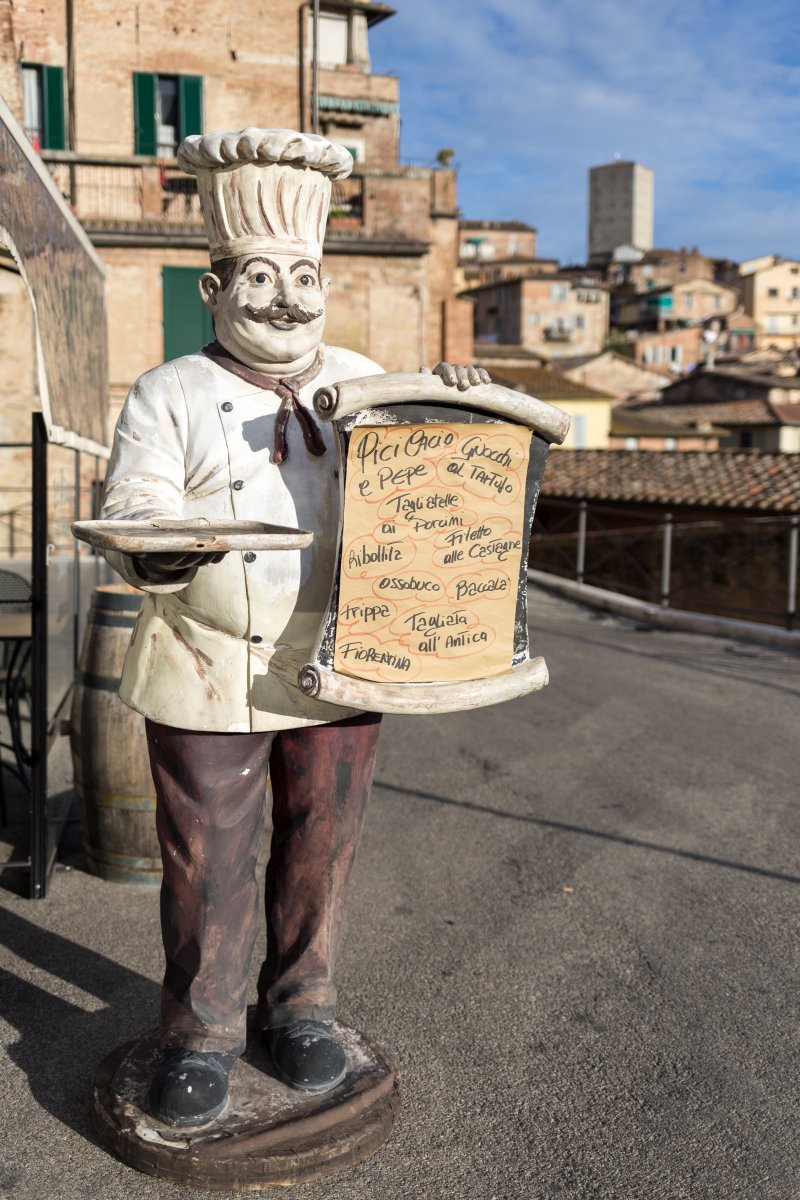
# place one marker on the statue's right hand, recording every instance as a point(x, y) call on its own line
point(160, 568)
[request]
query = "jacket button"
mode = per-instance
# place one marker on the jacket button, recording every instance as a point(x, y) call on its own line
point(227, 406)
point(238, 484)
point(249, 557)
point(256, 638)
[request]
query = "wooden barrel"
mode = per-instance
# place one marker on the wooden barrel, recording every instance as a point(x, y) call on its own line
point(109, 749)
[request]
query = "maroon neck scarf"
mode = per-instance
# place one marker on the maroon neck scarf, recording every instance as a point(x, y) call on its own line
point(288, 392)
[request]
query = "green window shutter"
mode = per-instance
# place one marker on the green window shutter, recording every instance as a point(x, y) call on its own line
point(144, 113)
point(187, 321)
point(55, 130)
point(190, 104)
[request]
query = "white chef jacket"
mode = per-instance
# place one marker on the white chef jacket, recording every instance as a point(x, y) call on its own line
point(219, 648)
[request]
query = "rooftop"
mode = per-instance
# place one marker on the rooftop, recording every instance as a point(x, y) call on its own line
point(636, 422)
point(743, 480)
point(759, 379)
point(546, 384)
point(539, 277)
point(726, 412)
point(504, 226)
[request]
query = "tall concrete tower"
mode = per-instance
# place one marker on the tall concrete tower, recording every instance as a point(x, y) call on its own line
point(620, 208)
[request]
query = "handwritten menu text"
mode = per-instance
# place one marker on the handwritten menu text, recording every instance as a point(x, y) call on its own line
point(431, 546)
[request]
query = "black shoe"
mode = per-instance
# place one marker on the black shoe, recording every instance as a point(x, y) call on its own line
point(307, 1055)
point(190, 1088)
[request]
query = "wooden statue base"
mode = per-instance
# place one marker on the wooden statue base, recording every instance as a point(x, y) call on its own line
point(268, 1135)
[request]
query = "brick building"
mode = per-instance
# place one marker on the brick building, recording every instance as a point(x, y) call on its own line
point(106, 92)
point(549, 313)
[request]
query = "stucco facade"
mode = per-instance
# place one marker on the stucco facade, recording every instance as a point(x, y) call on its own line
point(771, 295)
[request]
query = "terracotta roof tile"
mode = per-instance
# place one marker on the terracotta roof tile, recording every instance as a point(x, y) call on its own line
point(723, 412)
point(545, 384)
point(753, 480)
point(634, 422)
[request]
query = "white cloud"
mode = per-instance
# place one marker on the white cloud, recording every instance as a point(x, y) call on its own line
point(532, 94)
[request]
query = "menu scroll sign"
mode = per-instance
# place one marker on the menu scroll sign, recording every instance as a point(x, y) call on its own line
point(437, 503)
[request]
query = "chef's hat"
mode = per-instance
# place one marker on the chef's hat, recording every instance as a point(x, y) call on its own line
point(264, 189)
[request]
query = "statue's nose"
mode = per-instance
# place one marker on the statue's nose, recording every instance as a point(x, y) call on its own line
point(284, 292)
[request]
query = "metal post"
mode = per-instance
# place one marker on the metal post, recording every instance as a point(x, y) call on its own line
point(581, 557)
point(315, 70)
point(791, 591)
point(76, 564)
point(38, 853)
point(666, 559)
point(11, 546)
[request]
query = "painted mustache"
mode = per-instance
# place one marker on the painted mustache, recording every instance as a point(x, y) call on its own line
point(282, 312)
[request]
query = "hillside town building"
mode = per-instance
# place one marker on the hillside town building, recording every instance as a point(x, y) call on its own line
point(549, 313)
point(751, 408)
point(770, 291)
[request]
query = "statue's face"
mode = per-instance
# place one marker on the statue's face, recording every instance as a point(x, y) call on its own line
point(271, 310)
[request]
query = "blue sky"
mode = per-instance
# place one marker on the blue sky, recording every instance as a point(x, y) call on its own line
point(531, 93)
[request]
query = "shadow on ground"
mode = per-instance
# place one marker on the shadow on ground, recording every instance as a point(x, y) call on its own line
point(61, 1042)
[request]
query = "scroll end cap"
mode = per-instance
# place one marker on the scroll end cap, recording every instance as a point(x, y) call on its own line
point(326, 401)
point(309, 681)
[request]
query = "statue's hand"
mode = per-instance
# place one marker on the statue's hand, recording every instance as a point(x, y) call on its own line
point(458, 376)
point(160, 568)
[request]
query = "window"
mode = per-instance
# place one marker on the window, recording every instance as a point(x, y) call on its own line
point(688, 300)
point(579, 431)
point(343, 39)
point(167, 108)
point(559, 291)
point(187, 321)
point(772, 293)
point(533, 318)
point(794, 293)
point(43, 111)
point(746, 439)
point(670, 443)
point(334, 39)
point(631, 443)
point(353, 145)
point(772, 324)
point(580, 322)
point(675, 354)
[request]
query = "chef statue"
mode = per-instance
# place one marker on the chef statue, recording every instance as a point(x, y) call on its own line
point(227, 434)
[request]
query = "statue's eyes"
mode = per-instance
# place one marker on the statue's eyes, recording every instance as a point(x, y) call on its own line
point(306, 280)
point(260, 277)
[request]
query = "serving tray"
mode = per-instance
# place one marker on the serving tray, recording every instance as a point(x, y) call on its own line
point(197, 536)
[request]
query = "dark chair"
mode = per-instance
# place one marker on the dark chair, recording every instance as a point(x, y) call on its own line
point(15, 597)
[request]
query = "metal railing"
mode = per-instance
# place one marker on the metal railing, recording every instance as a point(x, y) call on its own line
point(16, 531)
point(347, 203)
point(127, 193)
point(744, 567)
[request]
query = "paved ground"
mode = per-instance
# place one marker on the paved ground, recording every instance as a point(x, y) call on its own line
point(574, 924)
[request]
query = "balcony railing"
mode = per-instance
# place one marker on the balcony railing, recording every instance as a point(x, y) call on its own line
point(347, 204)
point(126, 193)
point(131, 194)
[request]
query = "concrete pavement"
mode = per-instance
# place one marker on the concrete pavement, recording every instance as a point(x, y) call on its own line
point(574, 924)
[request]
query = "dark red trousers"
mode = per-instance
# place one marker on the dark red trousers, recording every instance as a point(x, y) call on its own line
point(211, 790)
